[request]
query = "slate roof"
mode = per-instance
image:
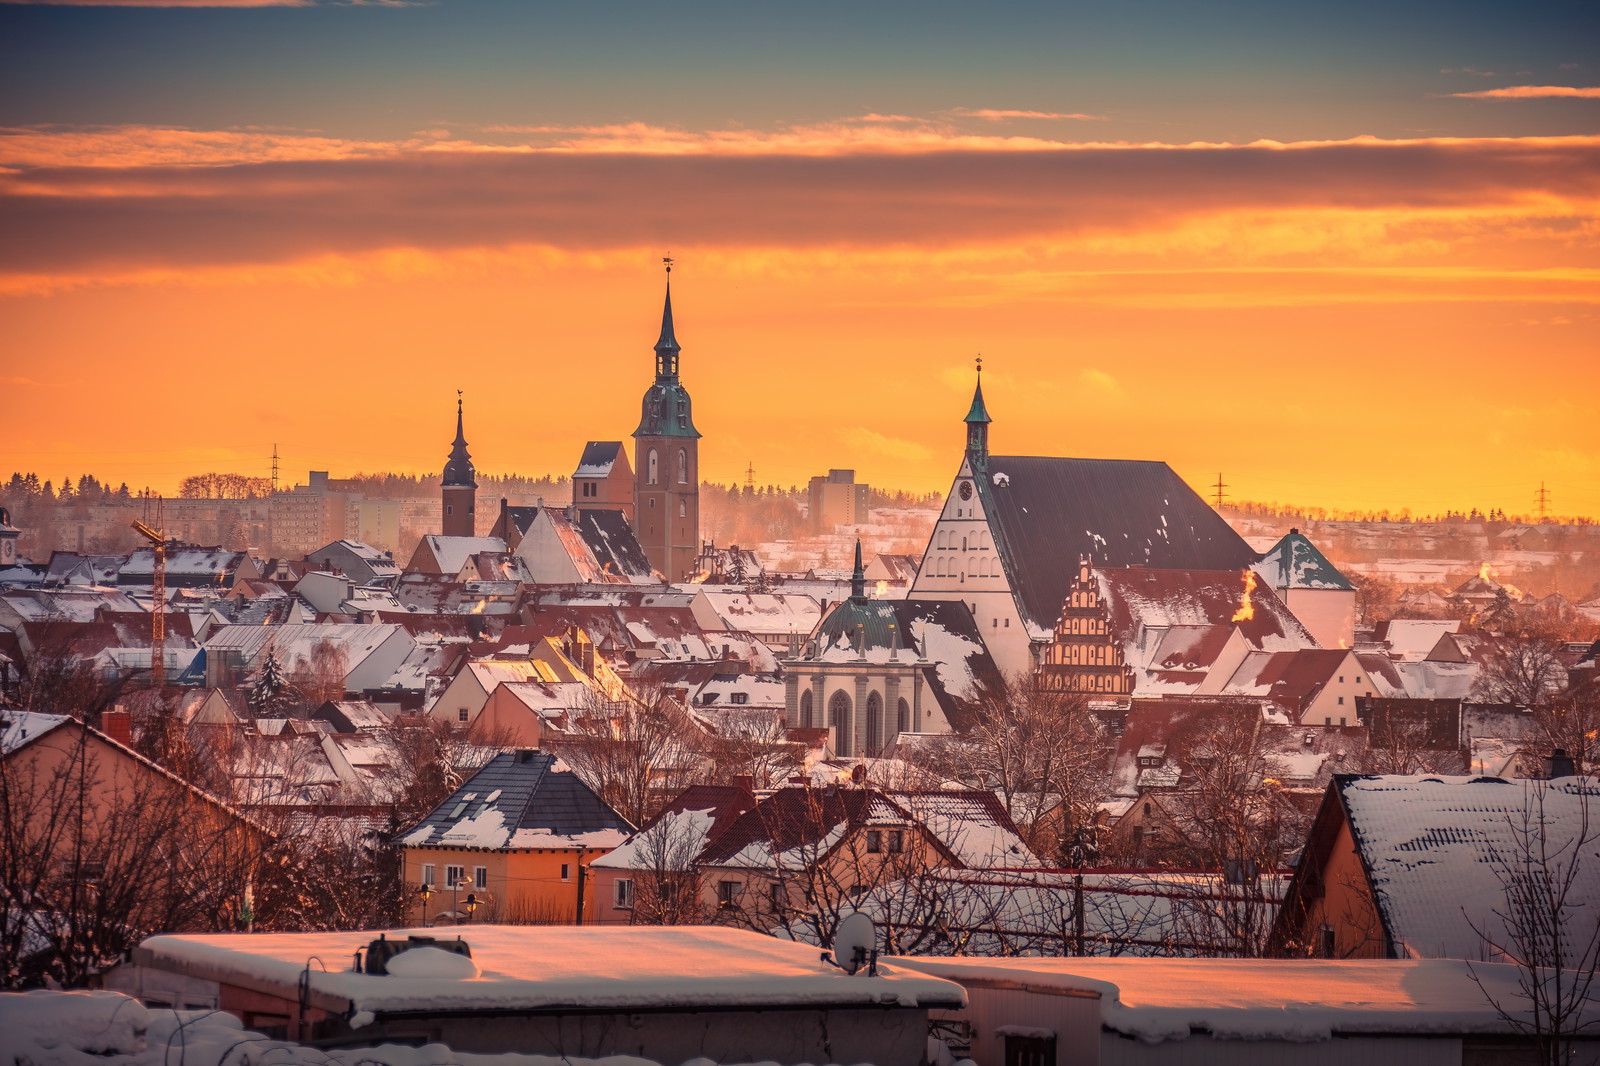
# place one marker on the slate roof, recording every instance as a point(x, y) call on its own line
point(1048, 511)
point(703, 811)
point(612, 542)
point(1140, 599)
point(1295, 563)
point(522, 799)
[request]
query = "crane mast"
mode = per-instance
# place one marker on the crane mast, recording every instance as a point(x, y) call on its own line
point(158, 604)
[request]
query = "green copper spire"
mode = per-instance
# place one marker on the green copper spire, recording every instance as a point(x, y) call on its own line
point(978, 424)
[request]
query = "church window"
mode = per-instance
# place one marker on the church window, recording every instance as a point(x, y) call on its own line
point(683, 412)
point(902, 717)
point(839, 722)
point(683, 508)
point(874, 724)
point(448, 509)
point(683, 467)
point(805, 709)
point(651, 466)
point(963, 543)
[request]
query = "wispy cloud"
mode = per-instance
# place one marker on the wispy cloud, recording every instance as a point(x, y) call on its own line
point(1474, 71)
point(1101, 382)
point(867, 440)
point(1531, 92)
point(989, 114)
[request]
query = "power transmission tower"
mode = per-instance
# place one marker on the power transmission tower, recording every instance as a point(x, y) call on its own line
point(750, 477)
point(1541, 500)
point(1219, 495)
point(274, 468)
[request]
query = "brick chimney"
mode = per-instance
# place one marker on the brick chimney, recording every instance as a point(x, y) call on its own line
point(118, 725)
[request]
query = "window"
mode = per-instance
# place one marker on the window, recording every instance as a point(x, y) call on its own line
point(683, 508)
point(624, 894)
point(902, 717)
point(428, 872)
point(728, 893)
point(839, 722)
point(897, 840)
point(874, 724)
point(454, 875)
point(448, 509)
point(461, 714)
point(480, 877)
point(683, 467)
point(805, 709)
point(652, 467)
point(874, 841)
point(739, 697)
point(566, 871)
point(1341, 701)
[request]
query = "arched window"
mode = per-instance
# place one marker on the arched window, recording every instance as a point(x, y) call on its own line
point(874, 724)
point(683, 467)
point(902, 717)
point(651, 468)
point(805, 709)
point(683, 508)
point(839, 722)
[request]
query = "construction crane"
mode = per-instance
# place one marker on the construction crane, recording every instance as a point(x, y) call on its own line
point(158, 600)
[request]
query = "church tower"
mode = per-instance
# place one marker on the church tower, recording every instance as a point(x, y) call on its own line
point(666, 464)
point(459, 487)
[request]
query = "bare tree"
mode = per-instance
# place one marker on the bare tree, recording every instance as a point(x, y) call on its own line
point(98, 850)
point(753, 743)
point(1044, 753)
point(636, 751)
point(1571, 724)
point(1547, 926)
point(1522, 668)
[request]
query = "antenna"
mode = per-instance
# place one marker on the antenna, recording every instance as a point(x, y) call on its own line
point(274, 468)
point(1541, 500)
point(1219, 495)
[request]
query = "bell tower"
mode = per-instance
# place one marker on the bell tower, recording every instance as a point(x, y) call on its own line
point(459, 486)
point(666, 463)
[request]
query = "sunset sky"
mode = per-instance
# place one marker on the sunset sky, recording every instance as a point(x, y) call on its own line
point(1345, 254)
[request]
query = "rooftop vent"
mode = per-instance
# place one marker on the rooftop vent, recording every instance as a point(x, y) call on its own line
point(381, 950)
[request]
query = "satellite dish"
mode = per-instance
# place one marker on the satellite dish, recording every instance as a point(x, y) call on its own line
point(855, 942)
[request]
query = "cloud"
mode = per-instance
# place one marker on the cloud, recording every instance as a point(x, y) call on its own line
point(1531, 92)
point(1101, 382)
point(862, 439)
point(248, 197)
point(1474, 71)
point(994, 115)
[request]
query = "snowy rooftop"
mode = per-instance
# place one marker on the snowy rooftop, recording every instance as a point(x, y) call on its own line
point(553, 967)
point(1259, 999)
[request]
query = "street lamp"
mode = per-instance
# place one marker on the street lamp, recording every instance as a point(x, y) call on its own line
point(427, 894)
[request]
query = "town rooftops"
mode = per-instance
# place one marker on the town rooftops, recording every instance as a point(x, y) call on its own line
point(1119, 512)
point(522, 799)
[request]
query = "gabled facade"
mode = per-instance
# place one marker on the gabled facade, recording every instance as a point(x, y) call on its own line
point(1014, 527)
point(604, 478)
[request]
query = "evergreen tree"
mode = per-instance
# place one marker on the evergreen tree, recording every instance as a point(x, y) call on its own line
point(271, 696)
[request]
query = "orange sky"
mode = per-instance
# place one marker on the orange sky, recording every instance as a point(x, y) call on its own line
point(1367, 323)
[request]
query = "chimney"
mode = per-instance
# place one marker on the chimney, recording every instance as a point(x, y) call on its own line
point(1559, 764)
point(744, 783)
point(118, 725)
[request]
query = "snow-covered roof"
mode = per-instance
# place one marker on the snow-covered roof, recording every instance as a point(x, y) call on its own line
point(1438, 851)
point(522, 799)
point(20, 728)
point(1411, 639)
point(534, 967)
point(452, 553)
point(1295, 563)
point(1156, 1000)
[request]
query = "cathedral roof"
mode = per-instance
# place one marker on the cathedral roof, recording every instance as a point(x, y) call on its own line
point(1047, 512)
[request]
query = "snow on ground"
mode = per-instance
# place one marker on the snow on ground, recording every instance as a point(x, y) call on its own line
point(108, 1029)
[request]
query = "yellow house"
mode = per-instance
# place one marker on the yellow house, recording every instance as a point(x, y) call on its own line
point(511, 843)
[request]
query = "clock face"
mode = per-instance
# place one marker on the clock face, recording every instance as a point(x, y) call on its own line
point(966, 490)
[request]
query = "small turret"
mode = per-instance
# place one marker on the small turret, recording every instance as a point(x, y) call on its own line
point(978, 425)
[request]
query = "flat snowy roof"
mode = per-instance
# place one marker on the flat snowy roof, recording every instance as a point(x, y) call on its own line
point(553, 967)
point(1263, 999)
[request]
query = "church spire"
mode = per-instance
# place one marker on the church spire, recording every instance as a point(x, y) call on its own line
point(978, 424)
point(459, 471)
point(858, 579)
point(667, 346)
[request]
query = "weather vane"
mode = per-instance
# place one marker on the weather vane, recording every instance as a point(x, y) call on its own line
point(667, 259)
point(980, 364)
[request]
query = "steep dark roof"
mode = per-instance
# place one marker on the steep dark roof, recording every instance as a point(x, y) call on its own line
point(612, 540)
point(1120, 512)
point(598, 458)
point(1294, 562)
point(529, 790)
point(458, 472)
